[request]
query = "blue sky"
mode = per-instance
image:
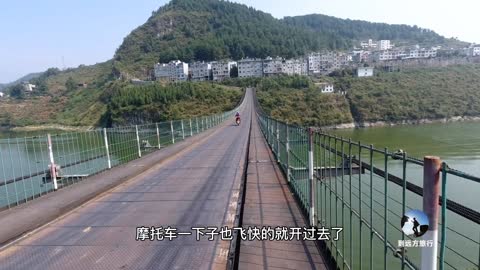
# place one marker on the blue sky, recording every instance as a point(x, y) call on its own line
point(35, 35)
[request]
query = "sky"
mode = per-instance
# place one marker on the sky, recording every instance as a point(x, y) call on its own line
point(36, 35)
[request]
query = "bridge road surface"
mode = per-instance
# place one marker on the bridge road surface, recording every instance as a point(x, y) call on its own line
point(200, 188)
point(270, 203)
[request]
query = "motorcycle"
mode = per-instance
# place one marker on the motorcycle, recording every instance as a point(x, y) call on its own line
point(237, 120)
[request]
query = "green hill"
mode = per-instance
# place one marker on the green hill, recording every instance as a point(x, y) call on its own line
point(410, 95)
point(211, 29)
point(348, 33)
point(188, 30)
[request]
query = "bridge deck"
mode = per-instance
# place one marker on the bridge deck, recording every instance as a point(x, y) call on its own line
point(199, 188)
point(269, 202)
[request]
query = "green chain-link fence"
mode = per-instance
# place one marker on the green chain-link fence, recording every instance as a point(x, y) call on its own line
point(25, 163)
point(366, 191)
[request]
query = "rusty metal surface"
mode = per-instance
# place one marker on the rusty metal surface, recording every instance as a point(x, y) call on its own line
point(195, 189)
point(269, 202)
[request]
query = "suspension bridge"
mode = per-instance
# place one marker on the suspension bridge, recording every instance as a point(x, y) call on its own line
point(204, 193)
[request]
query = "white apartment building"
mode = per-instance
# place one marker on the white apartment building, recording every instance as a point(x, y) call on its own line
point(180, 71)
point(323, 63)
point(199, 71)
point(162, 71)
point(250, 68)
point(385, 45)
point(476, 51)
point(29, 87)
point(173, 71)
point(365, 72)
point(421, 53)
point(221, 69)
point(368, 44)
point(275, 66)
point(390, 55)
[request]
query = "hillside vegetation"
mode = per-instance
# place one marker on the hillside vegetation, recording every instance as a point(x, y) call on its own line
point(210, 29)
point(344, 32)
point(296, 100)
point(415, 94)
point(194, 30)
point(156, 102)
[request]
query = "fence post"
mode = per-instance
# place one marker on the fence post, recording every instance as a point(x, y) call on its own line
point(431, 192)
point(53, 171)
point(138, 142)
point(191, 130)
point(278, 142)
point(313, 185)
point(171, 129)
point(158, 135)
point(105, 138)
point(183, 131)
point(287, 146)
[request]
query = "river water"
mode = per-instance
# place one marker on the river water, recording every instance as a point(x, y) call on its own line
point(458, 144)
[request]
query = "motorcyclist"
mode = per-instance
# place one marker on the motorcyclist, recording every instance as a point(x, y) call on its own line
point(237, 117)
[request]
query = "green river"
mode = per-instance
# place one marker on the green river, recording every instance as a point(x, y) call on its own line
point(456, 143)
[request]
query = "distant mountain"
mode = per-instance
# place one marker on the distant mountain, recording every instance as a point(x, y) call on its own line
point(211, 29)
point(27, 78)
point(346, 31)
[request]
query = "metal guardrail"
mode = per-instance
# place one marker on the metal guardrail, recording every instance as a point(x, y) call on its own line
point(34, 166)
point(370, 203)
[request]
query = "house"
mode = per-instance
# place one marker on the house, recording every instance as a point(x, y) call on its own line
point(2, 94)
point(199, 71)
point(365, 71)
point(368, 44)
point(250, 68)
point(476, 51)
point(385, 45)
point(174, 71)
point(221, 69)
point(162, 71)
point(273, 66)
point(29, 87)
point(83, 85)
point(325, 87)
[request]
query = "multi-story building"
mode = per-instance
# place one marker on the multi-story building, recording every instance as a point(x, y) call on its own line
point(199, 71)
point(368, 44)
point(476, 51)
point(324, 63)
point(275, 66)
point(421, 53)
point(385, 45)
point(221, 69)
point(389, 55)
point(250, 68)
point(361, 56)
point(175, 71)
point(365, 71)
point(162, 71)
point(180, 71)
point(29, 87)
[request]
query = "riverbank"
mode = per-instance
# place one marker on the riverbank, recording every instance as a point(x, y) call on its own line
point(49, 127)
point(403, 122)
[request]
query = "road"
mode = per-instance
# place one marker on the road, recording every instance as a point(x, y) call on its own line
point(199, 188)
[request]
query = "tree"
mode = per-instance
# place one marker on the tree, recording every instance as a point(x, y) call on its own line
point(17, 92)
point(70, 84)
point(234, 72)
